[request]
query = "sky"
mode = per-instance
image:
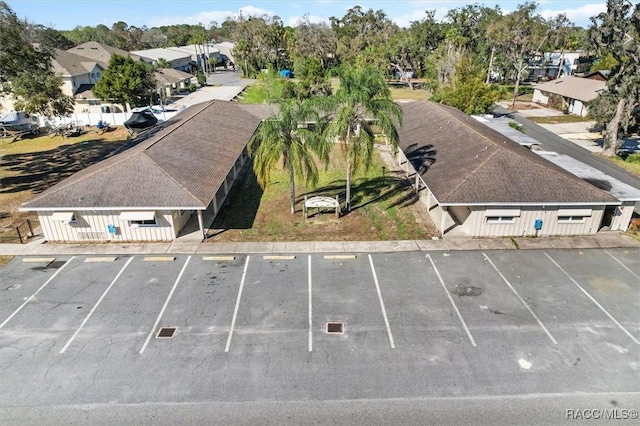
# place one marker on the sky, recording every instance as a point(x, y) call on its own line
point(67, 14)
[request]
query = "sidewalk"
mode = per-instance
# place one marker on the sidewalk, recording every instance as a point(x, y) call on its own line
point(604, 239)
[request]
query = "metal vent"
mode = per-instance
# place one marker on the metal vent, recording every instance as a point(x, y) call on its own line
point(334, 327)
point(166, 333)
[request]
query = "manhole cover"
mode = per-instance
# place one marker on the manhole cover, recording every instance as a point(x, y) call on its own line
point(467, 290)
point(335, 327)
point(166, 333)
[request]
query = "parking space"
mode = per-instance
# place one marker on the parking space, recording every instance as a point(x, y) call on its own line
point(472, 319)
point(127, 313)
point(344, 292)
point(272, 310)
point(202, 305)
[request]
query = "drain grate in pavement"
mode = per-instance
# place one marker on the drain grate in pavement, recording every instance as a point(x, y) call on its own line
point(166, 333)
point(334, 327)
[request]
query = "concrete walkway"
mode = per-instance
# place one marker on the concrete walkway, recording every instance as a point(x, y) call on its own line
point(603, 239)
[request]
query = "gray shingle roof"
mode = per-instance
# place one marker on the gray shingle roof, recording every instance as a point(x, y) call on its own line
point(182, 165)
point(67, 63)
point(582, 89)
point(100, 52)
point(465, 162)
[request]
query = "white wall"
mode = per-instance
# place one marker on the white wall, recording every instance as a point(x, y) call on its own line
point(540, 97)
point(523, 225)
point(92, 118)
point(92, 226)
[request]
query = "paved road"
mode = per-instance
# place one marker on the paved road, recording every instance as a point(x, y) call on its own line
point(453, 336)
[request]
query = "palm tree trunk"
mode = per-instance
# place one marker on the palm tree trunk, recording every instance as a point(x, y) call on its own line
point(347, 205)
point(292, 189)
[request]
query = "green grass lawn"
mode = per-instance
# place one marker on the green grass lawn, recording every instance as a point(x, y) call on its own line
point(30, 165)
point(383, 208)
point(627, 165)
point(559, 119)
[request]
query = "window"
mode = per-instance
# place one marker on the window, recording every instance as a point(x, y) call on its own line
point(571, 219)
point(500, 219)
point(139, 223)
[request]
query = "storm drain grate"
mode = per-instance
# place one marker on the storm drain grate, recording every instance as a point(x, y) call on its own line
point(335, 327)
point(166, 333)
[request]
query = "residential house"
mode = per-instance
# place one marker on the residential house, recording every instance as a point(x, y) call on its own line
point(569, 94)
point(175, 59)
point(170, 81)
point(551, 65)
point(81, 67)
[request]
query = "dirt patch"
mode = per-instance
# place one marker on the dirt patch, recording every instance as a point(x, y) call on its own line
point(30, 166)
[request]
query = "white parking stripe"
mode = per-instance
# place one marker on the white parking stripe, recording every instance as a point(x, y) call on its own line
point(166, 303)
point(64, 348)
point(310, 311)
point(624, 266)
point(464, 325)
point(37, 291)
point(235, 310)
point(594, 301)
point(384, 311)
point(521, 300)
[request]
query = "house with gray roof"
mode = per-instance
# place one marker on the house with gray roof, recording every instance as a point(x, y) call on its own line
point(150, 191)
point(81, 67)
point(477, 182)
point(570, 94)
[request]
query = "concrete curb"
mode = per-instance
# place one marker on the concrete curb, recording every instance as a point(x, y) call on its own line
point(602, 240)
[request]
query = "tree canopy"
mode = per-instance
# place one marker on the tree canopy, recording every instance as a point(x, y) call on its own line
point(25, 69)
point(126, 81)
point(616, 32)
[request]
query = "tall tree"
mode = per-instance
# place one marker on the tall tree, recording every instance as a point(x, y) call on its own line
point(517, 35)
point(282, 139)
point(126, 82)
point(26, 72)
point(362, 98)
point(617, 32)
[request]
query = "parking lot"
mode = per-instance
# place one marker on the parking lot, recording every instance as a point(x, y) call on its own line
point(84, 330)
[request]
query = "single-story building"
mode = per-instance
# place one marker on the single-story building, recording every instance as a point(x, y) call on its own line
point(569, 94)
point(150, 191)
point(170, 81)
point(477, 182)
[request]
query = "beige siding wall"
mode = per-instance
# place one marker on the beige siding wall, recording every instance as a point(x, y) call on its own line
point(622, 216)
point(179, 220)
point(92, 225)
point(540, 97)
point(523, 225)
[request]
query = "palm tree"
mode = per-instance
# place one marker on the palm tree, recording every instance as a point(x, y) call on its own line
point(362, 99)
point(285, 137)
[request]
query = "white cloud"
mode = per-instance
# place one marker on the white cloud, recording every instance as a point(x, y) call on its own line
point(294, 20)
point(405, 20)
point(205, 18)
point(579, 15)
point(254, 11)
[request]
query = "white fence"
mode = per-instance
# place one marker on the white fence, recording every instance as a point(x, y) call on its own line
point(91, 119)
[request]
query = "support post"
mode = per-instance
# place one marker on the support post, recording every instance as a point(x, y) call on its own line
point(443, 220)
point(201, 224)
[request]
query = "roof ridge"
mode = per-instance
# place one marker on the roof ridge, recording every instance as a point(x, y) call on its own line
point(549, 165)
point(140, 151)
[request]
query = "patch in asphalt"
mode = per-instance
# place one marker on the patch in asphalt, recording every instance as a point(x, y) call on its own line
point(466, 290)
point(53, 265)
